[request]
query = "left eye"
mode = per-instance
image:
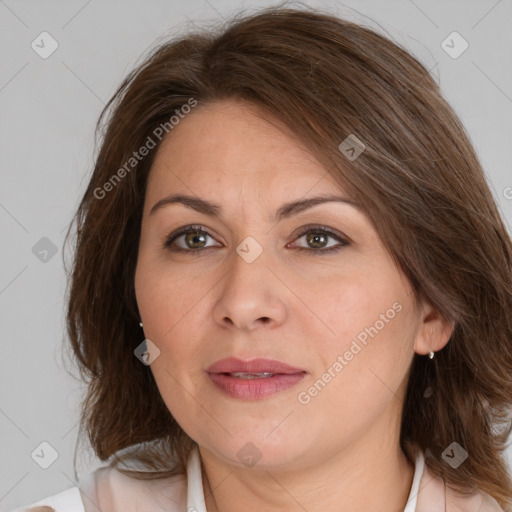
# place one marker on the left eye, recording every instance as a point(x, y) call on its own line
point(318, 239)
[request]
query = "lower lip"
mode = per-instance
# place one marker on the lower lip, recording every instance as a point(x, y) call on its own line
point(254, 389)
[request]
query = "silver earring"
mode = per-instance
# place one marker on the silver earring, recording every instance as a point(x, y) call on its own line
point(140, 323)
point(431, 354)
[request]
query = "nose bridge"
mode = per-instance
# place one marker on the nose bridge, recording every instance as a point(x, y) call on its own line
point(249, 294)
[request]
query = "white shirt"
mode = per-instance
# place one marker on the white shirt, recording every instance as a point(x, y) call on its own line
point(109, 489)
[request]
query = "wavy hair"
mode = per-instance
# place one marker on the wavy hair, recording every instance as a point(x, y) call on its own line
point(419, 180)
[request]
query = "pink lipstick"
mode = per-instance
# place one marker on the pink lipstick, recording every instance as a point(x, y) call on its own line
point(253, 379)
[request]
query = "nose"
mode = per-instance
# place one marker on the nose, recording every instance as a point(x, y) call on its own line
point(250, 296)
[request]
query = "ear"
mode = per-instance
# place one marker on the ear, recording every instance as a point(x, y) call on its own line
point(434, 332)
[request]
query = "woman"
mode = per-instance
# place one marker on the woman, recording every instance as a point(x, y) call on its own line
point(292, 286)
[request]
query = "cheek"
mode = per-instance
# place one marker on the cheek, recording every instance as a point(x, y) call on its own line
point(351, 305)
point(174, 306)
point(371, 325)
point(164, 294)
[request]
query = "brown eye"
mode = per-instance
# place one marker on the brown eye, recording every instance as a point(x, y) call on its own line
point(317, 240)
point(195, 240)
point(188, 239)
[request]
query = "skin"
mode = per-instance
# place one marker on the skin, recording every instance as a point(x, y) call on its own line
point(341, 450)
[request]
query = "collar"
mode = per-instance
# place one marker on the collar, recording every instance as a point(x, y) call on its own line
point(195, 493)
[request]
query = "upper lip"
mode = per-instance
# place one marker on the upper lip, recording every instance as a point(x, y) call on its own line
point(257, 365)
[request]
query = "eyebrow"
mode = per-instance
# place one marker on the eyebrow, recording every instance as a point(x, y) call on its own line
point(215, 210)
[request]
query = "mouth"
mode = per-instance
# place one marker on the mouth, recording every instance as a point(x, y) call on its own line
point(254, 379)
point(242, 375)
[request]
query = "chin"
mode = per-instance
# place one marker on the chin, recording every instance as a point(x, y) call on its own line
point(251, 449)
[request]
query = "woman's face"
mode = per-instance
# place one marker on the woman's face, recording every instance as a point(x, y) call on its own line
point(310, 286)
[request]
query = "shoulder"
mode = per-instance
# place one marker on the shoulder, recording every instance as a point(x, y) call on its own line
point(478, 501)
point(435, 496)
point(69, 500)
point(107, 488)
point(110, 489)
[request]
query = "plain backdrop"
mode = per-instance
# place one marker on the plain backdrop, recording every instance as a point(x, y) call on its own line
point(49, 107)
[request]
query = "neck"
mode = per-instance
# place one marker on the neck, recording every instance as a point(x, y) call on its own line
point(361, 477)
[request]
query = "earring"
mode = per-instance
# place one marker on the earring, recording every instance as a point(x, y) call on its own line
point(431, 354)
point(140, 323)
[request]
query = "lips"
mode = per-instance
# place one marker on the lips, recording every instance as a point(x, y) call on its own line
point(253, 366)
point(255, 379)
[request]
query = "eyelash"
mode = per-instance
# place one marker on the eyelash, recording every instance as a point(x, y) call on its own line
point(308, 229)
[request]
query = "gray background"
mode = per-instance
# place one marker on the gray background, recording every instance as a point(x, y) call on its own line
point(48, 111)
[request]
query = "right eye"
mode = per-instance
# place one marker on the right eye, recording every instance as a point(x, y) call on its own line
point(190, 238)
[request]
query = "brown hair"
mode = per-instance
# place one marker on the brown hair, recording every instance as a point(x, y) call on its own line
point(418, 179)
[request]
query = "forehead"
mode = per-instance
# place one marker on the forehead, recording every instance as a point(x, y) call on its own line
point(235, 144)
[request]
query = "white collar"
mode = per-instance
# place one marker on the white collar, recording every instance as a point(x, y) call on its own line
point(419, 468)
point(195, 491)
